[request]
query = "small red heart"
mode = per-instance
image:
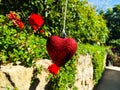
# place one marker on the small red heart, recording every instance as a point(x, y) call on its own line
point(61, 49)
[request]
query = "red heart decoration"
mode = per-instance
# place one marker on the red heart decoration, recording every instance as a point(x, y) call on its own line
point(61, 49)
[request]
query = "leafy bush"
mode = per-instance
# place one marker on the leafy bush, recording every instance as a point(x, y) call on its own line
point(19, 45)
point(115, 48)
point(82, 22)
point(116, 44)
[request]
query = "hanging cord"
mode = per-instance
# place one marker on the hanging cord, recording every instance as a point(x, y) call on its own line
point(63, 31)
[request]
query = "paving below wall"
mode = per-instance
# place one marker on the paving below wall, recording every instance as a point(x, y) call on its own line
point(20, 77)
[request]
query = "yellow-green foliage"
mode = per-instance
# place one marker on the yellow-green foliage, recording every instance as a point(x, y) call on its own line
point(82, 21)
point(98, 54)
point(19, 45)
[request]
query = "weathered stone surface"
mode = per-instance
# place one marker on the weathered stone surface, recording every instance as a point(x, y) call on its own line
point(84, 76)
point(44, 74)
point(20, 76)
point(15, 76)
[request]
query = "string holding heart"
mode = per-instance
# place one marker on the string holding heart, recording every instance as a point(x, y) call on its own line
point(63, 35)
point(60, 49)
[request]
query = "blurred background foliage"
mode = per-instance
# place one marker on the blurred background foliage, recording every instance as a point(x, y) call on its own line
point(112, 16)
point(82, 21)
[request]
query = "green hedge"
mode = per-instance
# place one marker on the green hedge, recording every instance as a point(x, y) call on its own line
point(98, 55)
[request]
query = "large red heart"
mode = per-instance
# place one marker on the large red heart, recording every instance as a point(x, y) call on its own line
point(61, 49)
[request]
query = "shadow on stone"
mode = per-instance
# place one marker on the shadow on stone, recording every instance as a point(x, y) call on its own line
point(10, 80)
point(34, 85)
point(48, 85)
point(34, 80)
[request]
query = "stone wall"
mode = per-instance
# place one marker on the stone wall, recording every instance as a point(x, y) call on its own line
point(84, 76)
point(20, 77)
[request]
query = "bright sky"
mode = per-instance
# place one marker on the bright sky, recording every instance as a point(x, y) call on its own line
point(104, 4)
